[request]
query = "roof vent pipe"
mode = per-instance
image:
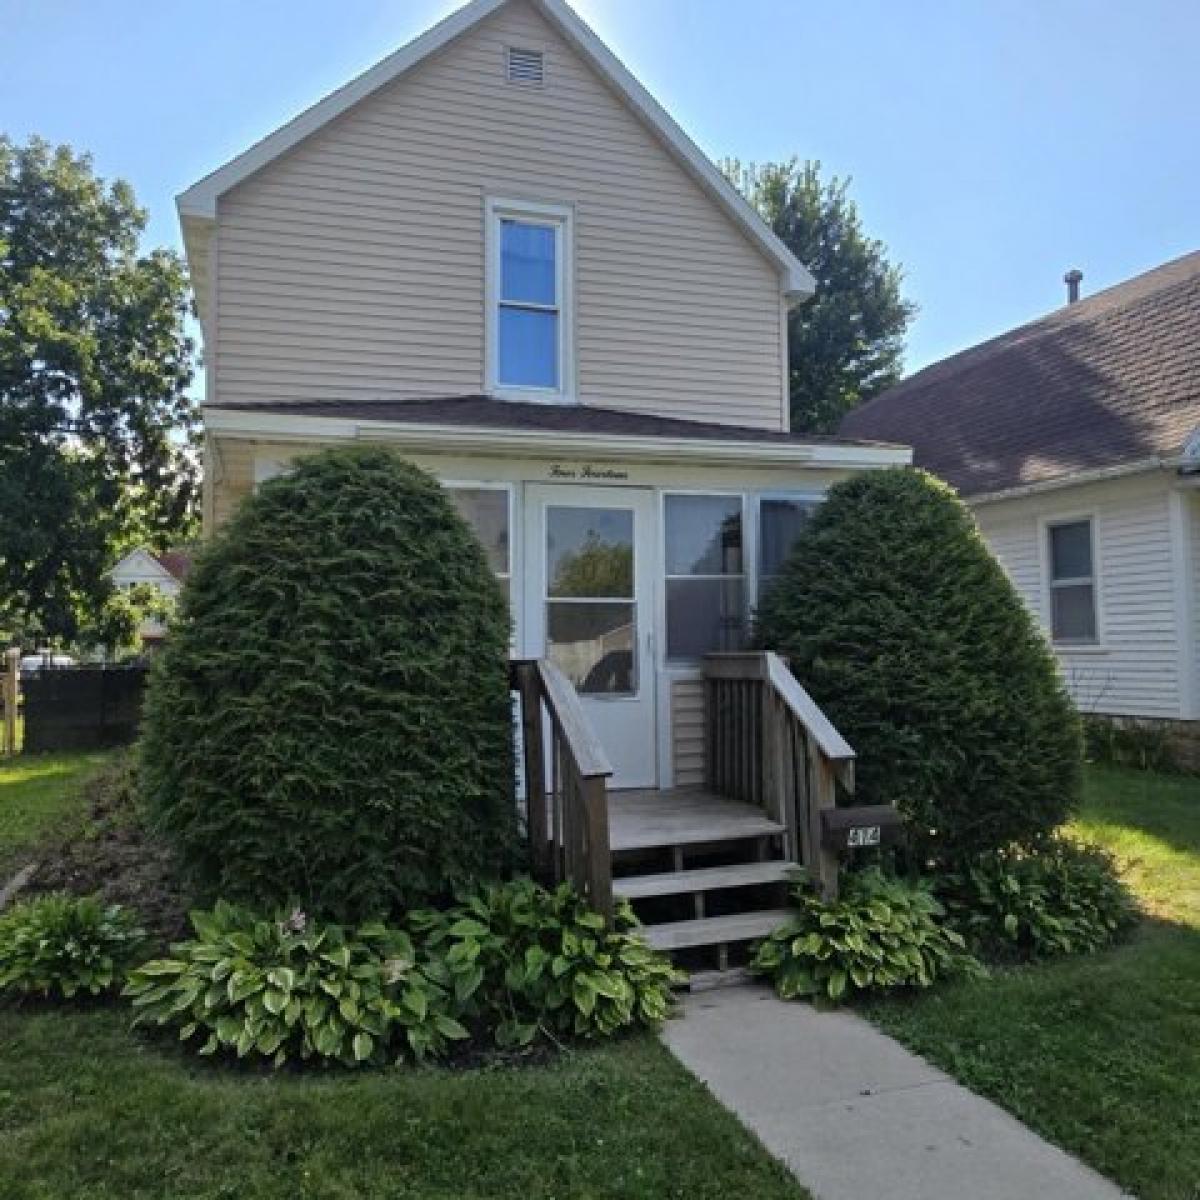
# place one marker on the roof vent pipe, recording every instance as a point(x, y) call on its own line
point(1073, 278)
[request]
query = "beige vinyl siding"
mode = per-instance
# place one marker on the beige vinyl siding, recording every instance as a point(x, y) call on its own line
point(352, 266)
point(1135, 669)
point(687, 731)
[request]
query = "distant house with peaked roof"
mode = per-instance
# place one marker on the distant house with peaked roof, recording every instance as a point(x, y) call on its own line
point(164, 572)
point(1076, 439)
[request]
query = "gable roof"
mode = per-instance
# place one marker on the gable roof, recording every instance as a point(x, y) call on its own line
point(176, 563)
point(1108, 382)
point(198, 204)
point(172, 564)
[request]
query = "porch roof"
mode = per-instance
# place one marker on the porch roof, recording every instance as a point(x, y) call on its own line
point(484, 412)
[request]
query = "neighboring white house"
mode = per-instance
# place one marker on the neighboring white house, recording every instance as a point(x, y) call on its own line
point(163, 572)
point(495, 252)
point(1074, 438)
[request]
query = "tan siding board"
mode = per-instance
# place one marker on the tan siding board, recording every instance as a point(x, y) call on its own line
point(353, 264)
point(687, 731)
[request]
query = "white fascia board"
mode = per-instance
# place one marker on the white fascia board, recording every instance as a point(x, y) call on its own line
point(524, 443)
point(1098, 475)
point(200, 200)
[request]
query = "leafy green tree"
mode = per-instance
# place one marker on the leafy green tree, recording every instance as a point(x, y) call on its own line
point(97, 431)
point(597, 568)
point(846, 344)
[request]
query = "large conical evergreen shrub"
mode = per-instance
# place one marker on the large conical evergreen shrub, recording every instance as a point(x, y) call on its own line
point(906, 630)
point(329, 720)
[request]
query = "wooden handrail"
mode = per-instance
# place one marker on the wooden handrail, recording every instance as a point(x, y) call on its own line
point(567, 814)
point(769, 744)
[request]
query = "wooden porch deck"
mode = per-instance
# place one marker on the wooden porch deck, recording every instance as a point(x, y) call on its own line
point(706, 869)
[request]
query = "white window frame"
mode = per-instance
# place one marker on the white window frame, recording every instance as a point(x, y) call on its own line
point(560, 218)
point(1046, 526)
point(689, 666)
point(813, 495)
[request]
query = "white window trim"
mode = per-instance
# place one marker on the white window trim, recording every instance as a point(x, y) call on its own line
point(562, 218)
point(1045, 525)
point(685, 667)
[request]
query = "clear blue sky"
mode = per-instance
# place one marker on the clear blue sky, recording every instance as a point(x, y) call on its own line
point(992, 143)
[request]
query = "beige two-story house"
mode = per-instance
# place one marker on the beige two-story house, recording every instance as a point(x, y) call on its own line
point(495, 252)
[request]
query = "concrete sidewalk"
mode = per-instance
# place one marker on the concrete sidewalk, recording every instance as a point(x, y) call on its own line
point(855, 1115)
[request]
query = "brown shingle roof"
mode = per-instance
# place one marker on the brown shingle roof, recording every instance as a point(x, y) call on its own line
point(175, 562)
point(486, 412)
point(1111, 380)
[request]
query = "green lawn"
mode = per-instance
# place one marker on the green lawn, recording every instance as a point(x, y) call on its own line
point(88, 1110)
point(37, 792)
point(1101, 1055)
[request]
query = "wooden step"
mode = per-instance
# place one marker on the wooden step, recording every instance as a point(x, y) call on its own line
point(653, 820)
point(706, 879)
point(714, 931)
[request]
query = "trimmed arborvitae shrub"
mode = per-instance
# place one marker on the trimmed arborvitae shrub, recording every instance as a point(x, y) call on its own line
point(330, 716)
point(896, 617)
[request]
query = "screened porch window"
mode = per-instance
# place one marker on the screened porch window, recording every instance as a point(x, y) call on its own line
point(781, 520)
point(706, 581)
point(1072, 583)
point(486, 510)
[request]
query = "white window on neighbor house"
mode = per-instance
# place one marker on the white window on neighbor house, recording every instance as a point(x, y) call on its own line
point(487, 509)
point(781, 519)
point(529, 322)
point(706, 575)
point(1071, 553)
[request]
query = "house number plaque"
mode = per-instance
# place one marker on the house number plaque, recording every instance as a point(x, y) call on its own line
point(864, 835)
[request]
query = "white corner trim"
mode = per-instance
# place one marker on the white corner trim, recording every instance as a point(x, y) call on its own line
point(1180, 517)
point(200, 200)
point(290, 427)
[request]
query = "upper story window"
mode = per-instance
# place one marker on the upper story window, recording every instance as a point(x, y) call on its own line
point(529, 303)
point(1072, 582)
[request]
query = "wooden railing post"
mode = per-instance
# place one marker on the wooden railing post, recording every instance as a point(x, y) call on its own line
point(11, 697)
point(568, 824)
point(533, 742)
point(599, 856)
point(822, 795)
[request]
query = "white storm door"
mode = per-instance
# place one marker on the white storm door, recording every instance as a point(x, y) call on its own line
point(590, 609)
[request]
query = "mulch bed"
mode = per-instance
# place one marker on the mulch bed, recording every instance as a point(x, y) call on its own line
point(109, 851)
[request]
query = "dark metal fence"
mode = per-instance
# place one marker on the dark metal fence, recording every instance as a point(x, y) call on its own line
point(81, 708)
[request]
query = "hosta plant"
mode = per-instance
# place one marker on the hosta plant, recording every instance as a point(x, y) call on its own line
point(882, 933)
point(291, 988)
point(1060, 898)
point(528, 963)
point(60, 946)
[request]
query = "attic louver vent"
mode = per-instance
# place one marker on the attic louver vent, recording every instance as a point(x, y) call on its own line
point(526, 66)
